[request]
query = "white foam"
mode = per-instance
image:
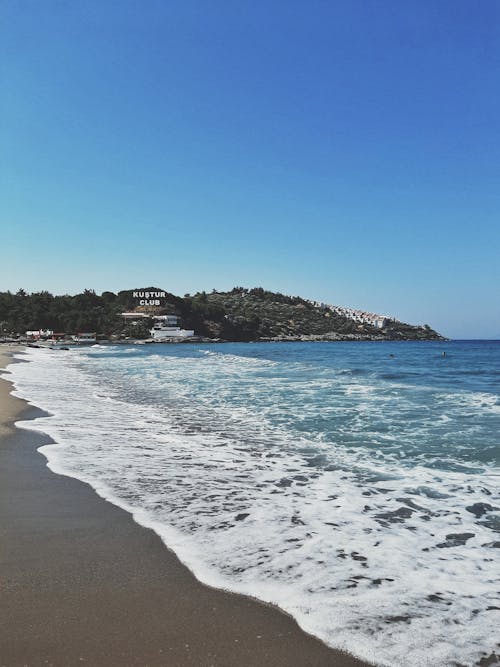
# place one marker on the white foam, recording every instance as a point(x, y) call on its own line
point(193, 444)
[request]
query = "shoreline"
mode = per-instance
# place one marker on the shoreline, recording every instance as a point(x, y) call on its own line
point(83, 582)
point(195, 340)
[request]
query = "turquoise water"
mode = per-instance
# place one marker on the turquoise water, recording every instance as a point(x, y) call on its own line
point(401, 399)
point(356, 485)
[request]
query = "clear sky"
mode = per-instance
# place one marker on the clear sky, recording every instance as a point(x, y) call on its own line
point(342, 150)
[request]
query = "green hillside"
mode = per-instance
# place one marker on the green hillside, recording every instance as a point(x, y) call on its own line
point(239, 315)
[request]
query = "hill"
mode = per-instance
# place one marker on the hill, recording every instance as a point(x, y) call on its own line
point(258, 314)
point(239, 315)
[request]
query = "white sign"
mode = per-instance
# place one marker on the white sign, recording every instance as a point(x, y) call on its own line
point(149, 298)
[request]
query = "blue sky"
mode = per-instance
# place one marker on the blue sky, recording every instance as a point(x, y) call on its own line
point(346, 151)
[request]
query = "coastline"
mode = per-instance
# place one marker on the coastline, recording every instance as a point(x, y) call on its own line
point(82, 582)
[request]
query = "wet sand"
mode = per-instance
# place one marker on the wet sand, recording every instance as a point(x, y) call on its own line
point(81, 583)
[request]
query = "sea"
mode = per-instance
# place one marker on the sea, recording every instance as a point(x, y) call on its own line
point(355, 485)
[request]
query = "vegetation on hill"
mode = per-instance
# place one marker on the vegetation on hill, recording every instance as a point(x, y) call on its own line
point(239, 315)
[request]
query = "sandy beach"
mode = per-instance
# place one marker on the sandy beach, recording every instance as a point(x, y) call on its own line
point(83, 583)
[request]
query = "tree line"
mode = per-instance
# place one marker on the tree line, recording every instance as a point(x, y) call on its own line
point(240, 314)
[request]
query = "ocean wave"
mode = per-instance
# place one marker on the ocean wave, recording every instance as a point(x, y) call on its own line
point(392, 562)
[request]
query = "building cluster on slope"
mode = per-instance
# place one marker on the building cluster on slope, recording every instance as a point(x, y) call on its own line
point(360, 316)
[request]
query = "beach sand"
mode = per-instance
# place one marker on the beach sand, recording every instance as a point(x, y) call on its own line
point(81, 583)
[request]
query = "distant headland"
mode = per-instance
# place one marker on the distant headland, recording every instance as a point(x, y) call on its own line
point(240, 315)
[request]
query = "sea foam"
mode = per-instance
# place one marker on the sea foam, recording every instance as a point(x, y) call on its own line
point(297, 484)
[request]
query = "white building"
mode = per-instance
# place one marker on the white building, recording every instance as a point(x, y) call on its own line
point(170, 320)
point(167, 320)
point(380, 322)
point(134, 316)
point(85, 338)
point(39, 333)
point(165, 328)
